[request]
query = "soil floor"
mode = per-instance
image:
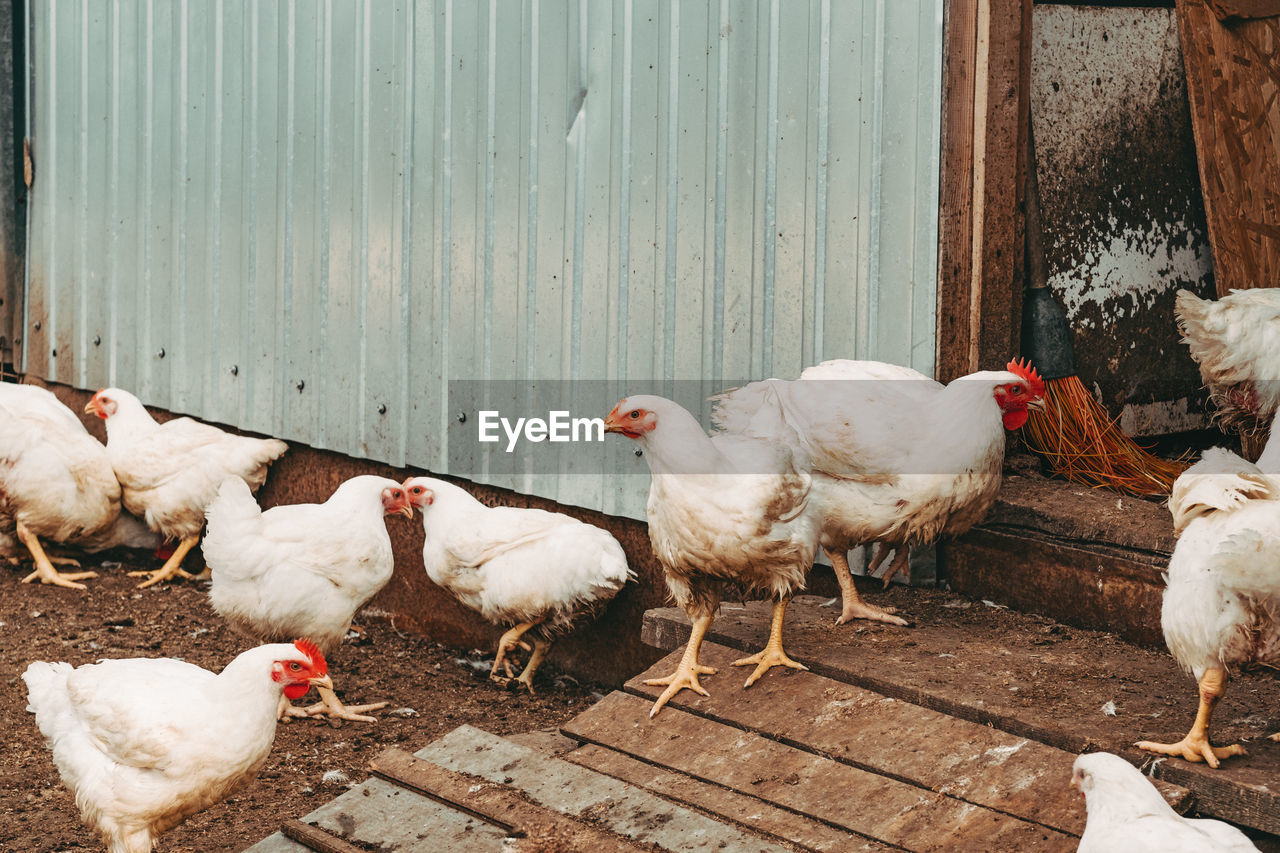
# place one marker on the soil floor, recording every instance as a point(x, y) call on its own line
point(432, 689)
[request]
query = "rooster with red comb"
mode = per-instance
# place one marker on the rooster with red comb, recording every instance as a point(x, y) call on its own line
point(898, 459)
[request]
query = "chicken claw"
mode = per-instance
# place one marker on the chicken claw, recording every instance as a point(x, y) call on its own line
point(509, 642)
point(1194, 749)
point(772, 654)
point(171, 567)
point(853, 607)
point(901, 564)
point(331, 707)
point(687, 672)
point(45, 571)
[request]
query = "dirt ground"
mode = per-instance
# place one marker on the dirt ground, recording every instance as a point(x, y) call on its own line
point(432, 690)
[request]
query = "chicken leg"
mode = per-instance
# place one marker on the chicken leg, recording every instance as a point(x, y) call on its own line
point(332, 707)
point(171, 567)
point(507, 643)
point(853, 607)
point(688, 670)
point(901, 564)
point(540, 647)
point(44, 566)
point(772, 654)
point(1195, 747)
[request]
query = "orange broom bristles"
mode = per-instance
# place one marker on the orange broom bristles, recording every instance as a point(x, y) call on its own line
point(1082, 443)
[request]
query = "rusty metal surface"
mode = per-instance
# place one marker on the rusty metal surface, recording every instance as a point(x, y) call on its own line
point(1124, 220)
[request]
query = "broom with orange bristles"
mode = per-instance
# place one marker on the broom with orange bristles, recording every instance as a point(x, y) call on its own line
point(1074, 433)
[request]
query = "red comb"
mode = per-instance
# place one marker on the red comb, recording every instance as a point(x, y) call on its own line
point(311, 650)
point(1023, 369)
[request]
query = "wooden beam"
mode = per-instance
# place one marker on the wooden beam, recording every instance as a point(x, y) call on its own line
point(1233, 83)
point(986, 78)
point(315, 838)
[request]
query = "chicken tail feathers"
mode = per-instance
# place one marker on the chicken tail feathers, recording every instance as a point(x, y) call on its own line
point(231, 511)
point(1220, 482)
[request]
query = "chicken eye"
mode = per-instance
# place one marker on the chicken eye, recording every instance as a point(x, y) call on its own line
point(294, 665)
point(635, 414)
point(1017, 389)
point(417, 490)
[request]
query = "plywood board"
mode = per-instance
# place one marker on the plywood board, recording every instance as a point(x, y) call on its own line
point(1233, 77)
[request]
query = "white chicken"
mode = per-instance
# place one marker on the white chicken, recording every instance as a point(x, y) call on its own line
point(535, 570)
point(170, 472)
point(1221, 607)
point(897, 458)
point(728, 509)
point(302, 569)
point(145, 743)
point(56, 484)
point(1127, 814)
point(1236, 342)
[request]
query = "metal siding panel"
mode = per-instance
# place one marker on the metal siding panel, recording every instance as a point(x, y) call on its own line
point(366, 200)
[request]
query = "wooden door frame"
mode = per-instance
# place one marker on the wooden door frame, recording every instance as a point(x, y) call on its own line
point(986, 82)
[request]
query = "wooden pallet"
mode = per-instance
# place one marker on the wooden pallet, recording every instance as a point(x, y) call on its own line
point(967, 684)
point(475, 791)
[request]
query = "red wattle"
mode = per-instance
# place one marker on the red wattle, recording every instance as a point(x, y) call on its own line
point(296, 691)
point(1014, 418)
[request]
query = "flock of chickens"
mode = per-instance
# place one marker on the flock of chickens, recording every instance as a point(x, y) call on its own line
point(839, 458)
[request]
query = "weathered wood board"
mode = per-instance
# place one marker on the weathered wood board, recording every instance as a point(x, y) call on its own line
point(867, 804)
point(975, 680)
point(973, 762)
point(797, 830)
point(1233, 80)
point(376, 811)
point(586, 795)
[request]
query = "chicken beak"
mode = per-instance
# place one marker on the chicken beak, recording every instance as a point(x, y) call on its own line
point(91, 407)
point(321, 681)
point(1036, 405)
point(611, 423)
point(406, 510)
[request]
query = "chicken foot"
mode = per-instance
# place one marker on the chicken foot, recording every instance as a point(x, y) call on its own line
point(772, 654)
point(688, 670)
point(901, 564)
point(331, 706)
point(44, 565)
point(171, 567)
point(853, 607)
point(506, 643)
point(1195, 747)
point(540, 648)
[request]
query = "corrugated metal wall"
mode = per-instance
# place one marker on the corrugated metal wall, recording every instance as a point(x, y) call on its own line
point(303, 218)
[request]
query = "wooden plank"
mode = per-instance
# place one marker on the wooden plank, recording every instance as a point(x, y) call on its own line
point(1055, 702)
point(314, 838)
point(1233, 83)
point(1245, 8)
point(956, 190)
point(583, 794)
point(866, 804)
point(1089, 588)
point(792, 829)
point(276, 843)
point(499, 804)
point(963, 759)
point(377, 812)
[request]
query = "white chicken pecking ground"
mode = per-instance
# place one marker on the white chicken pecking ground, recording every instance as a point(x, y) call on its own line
point(302, 569)
point(56, 484)
point(1126, 814)
point(1221, 607)
point(897, 458)
point(728, 509)
point(537, 571)
point(170, 472)
point(144, 743)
